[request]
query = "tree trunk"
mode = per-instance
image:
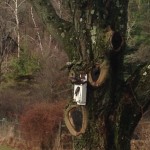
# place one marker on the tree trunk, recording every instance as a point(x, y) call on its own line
point(95, 36)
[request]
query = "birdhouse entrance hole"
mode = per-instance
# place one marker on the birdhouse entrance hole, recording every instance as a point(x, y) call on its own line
point(80, 90)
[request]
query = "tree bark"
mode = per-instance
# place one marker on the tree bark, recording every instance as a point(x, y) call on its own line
point(96, 34)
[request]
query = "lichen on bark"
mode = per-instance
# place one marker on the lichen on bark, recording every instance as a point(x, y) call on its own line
point(60, 29)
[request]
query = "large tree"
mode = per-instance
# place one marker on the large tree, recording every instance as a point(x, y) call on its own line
point(93, 33)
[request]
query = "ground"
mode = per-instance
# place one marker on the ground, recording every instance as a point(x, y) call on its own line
point(5, 148)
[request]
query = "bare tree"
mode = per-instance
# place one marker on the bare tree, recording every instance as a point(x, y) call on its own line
point(38, 34)
point(7, 44)
point(14, 7)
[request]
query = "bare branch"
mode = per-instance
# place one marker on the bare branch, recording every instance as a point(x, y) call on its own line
point(14, 1)
point(21, 3)
point(60, 29)
point(10, 7)
point(38, 34)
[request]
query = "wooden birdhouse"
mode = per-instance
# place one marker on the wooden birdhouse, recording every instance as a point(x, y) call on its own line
point(80, 90)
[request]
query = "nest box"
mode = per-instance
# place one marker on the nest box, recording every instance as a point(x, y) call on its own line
point(80, 90)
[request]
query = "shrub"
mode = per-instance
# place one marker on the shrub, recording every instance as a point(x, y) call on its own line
point(26, 64)
point(40, 122)
point(11, 104)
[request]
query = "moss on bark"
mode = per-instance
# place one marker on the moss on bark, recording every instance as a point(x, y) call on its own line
point(60, 29)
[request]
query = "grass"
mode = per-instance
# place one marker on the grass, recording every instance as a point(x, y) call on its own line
point(2, 147)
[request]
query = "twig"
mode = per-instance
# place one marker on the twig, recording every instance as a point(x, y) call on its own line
point(10, 7)
point(135, 98)
point(21, 3)
point(38, 34)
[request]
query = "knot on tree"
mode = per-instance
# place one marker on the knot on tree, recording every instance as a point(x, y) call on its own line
point(98, 74)
point(76, 119)
point(114, 38)
point(116, 41)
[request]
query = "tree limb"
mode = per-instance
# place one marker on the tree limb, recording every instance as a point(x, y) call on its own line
point(60, 29)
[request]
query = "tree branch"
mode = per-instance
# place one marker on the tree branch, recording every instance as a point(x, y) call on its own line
point(21, 3)
point(60, 29)
point(135, 100)
point(38, 34)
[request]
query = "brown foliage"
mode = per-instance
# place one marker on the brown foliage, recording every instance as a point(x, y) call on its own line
point(11, 104)
point(40, 122)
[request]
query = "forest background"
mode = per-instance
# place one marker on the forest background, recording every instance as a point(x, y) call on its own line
point(31, 59)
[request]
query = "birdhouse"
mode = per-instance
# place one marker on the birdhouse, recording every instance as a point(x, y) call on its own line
point(80, 90)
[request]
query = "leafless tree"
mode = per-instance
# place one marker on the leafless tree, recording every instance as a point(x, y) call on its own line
point(14, 6)
point(7, 44)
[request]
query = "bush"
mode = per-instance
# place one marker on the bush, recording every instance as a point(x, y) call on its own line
point(40, 122)
point(11, 104)
point(26, 64)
